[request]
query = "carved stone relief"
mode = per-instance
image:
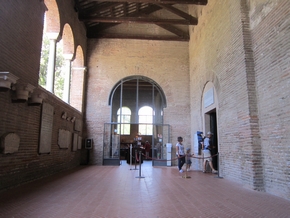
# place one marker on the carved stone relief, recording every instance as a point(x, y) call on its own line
point(64, 138)
point(46, 128)
point(10, 143)
point(78, 125)
point(80, 142)
point(75, 142)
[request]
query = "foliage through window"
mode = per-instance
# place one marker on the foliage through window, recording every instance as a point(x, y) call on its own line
point(59, 63)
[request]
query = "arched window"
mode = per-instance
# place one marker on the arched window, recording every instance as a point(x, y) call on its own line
point(123, 117)
point(146, 120)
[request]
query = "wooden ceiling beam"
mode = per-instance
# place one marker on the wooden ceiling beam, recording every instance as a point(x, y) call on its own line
point(188, 2)
point(175, 31)
point(139, 37)
point(96, 8)
point(148, 10)
point(178, 12)
point(138, 20)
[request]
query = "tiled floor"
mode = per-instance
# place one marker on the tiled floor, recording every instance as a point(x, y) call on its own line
point(114, 191)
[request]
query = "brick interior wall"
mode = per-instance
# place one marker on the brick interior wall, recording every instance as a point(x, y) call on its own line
point(164, 62)
point(217, 52)
point(270, 24)
point(20, 46)
point(242, 47)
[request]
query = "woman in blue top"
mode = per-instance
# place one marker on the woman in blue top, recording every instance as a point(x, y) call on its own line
point(180, 153)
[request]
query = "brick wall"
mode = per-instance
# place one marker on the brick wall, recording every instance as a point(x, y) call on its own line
point(164, 62)
point(20, 45)
point(270, 24)
point(241, 46)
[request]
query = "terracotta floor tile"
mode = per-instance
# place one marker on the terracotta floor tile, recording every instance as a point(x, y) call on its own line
point(114, 191)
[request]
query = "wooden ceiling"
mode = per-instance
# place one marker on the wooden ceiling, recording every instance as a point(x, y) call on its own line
point(166, 20)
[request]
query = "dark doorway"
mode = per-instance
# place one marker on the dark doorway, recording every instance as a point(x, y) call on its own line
point(213, 129)
point(212, 124)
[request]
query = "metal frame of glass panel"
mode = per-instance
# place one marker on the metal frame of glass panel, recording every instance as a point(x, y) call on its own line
point(135, 92)
point(112, 144)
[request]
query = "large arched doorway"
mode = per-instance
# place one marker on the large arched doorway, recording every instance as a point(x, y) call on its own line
point(137, 104)
point(209, 111)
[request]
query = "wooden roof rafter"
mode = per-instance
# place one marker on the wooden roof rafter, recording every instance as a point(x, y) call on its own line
point(100, 15)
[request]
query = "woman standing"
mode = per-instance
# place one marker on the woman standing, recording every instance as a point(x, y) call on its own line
point(206, 146)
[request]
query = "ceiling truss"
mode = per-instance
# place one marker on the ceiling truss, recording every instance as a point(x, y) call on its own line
point(101, 16)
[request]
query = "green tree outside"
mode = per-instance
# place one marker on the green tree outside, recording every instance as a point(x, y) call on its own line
point(59, 63)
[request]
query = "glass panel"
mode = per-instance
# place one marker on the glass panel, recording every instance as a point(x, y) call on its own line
point(116, 104)
point(146, 120)
point(158, 104)
point(161, 137)
point(146, 108)
point(165, 140)
point(111, 147)
point(124, 116)
point(129, 97)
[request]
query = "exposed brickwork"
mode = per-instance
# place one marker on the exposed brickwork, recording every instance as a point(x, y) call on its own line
point(164, 62)
point(242, 47)
point(27, 164)
point(271, 44)
point(20, 46)
point(250, 70)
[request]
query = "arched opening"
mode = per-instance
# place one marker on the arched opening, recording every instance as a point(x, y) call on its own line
point(58, 73)
point(145, 100)
point(51, 62)
point(209, 114)
point(78, 74)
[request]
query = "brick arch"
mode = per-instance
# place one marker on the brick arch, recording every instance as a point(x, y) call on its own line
point(79, 57)
point(52, 17)
point(209, 90)
point(68, 39)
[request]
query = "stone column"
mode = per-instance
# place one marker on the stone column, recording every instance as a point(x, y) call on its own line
point(66, 88)
point(51, 62)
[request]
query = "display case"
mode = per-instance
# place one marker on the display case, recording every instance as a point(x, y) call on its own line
point(111, 146)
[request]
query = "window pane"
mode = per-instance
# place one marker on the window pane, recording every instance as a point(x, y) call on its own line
point(124, 116)
point(146, 116)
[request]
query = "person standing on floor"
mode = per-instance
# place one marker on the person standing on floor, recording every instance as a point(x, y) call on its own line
point(180, 153)
point(147, 147)
point(206, 146)
point(188, 156)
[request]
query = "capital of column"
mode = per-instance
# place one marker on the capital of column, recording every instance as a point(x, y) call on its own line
point(6, 80)
point(23, 91)
point(52, 36)
point(36, 98)
point(83, 69)
point(68, 57)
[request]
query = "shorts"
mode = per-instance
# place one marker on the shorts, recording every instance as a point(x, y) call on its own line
point(207, 155)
